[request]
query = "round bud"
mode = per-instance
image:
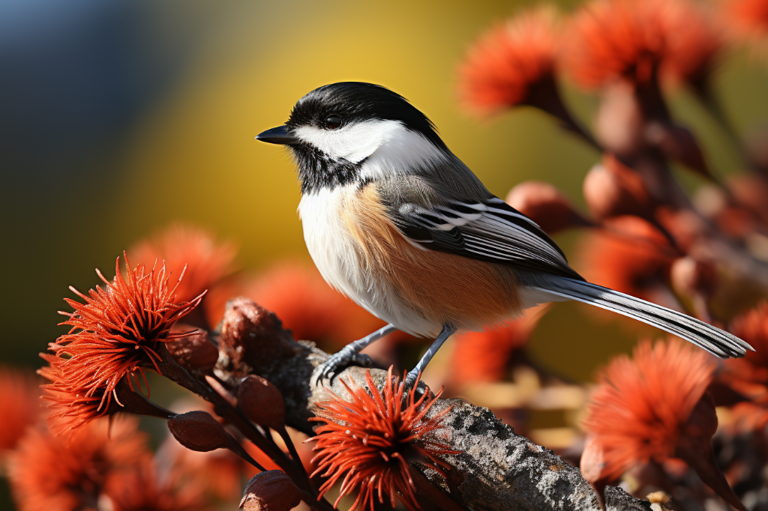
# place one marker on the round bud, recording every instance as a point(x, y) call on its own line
point(194, 351)
point(611, 189)
point(592, 461)
point(261, 402)
point(199, 431)
point(270, 491)
point(690, 277)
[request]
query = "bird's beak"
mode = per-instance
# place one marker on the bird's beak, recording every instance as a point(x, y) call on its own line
point(278, 135)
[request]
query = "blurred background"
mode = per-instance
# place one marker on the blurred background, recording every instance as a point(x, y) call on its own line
point(118, 118)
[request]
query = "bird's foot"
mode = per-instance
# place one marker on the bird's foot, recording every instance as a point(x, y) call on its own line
point(344, 358)
point(414, 380)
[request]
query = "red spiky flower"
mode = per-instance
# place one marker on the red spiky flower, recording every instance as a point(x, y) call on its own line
point(506, 63)
point(639, 410)
point(147, 489)
point(114, 336)
point(373, 437)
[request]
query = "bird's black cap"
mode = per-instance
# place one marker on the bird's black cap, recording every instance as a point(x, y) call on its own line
point(357, 102)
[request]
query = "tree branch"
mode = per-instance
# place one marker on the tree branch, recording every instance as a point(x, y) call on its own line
point(496, 470)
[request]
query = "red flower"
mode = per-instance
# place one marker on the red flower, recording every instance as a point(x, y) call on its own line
point(308, 306)
point(613, 39)
point(694, 43)
point(50, 472)
point(632, 39)
point(641, 407)
point(114, 335)
point(372, 438)
point(748, 17)
point(485, 356)
point(749, 375)
point(19, 395)
point(145, 490)
point(630, 256)
point(502, 68)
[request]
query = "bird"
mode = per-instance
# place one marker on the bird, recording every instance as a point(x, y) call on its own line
point(399, 224)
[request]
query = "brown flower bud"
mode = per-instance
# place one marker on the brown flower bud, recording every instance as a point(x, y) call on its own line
point(261, 402)
point(199, 431)
point(270, 491)
point(545, 205)
point(611, 189)
point(251, 336)
point(194, 351)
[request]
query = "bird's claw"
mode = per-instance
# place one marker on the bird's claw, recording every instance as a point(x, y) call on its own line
point(339, 361)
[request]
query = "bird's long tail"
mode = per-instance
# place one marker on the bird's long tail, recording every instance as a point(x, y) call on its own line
point(718, 342)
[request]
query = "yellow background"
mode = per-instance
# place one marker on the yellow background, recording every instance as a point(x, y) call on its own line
point(187, 152)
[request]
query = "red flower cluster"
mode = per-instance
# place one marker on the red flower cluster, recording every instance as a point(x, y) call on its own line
point(373, 437)
point(114, 335)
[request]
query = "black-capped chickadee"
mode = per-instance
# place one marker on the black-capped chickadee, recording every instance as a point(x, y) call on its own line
point(396, 222)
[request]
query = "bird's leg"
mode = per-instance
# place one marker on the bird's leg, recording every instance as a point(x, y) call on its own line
point(349, 355)
point(445, 333)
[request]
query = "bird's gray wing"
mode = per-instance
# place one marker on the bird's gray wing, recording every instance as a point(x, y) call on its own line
point(488, 229)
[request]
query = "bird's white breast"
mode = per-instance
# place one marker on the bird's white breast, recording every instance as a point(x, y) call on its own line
point(328, 240)
point(340, 260)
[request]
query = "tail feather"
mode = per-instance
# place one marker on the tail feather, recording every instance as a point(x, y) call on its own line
point(717, 342)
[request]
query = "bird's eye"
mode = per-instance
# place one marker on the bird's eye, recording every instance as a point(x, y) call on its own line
point(332, 122)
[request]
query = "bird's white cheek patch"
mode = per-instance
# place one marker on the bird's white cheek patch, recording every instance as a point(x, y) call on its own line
point(354, 142)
